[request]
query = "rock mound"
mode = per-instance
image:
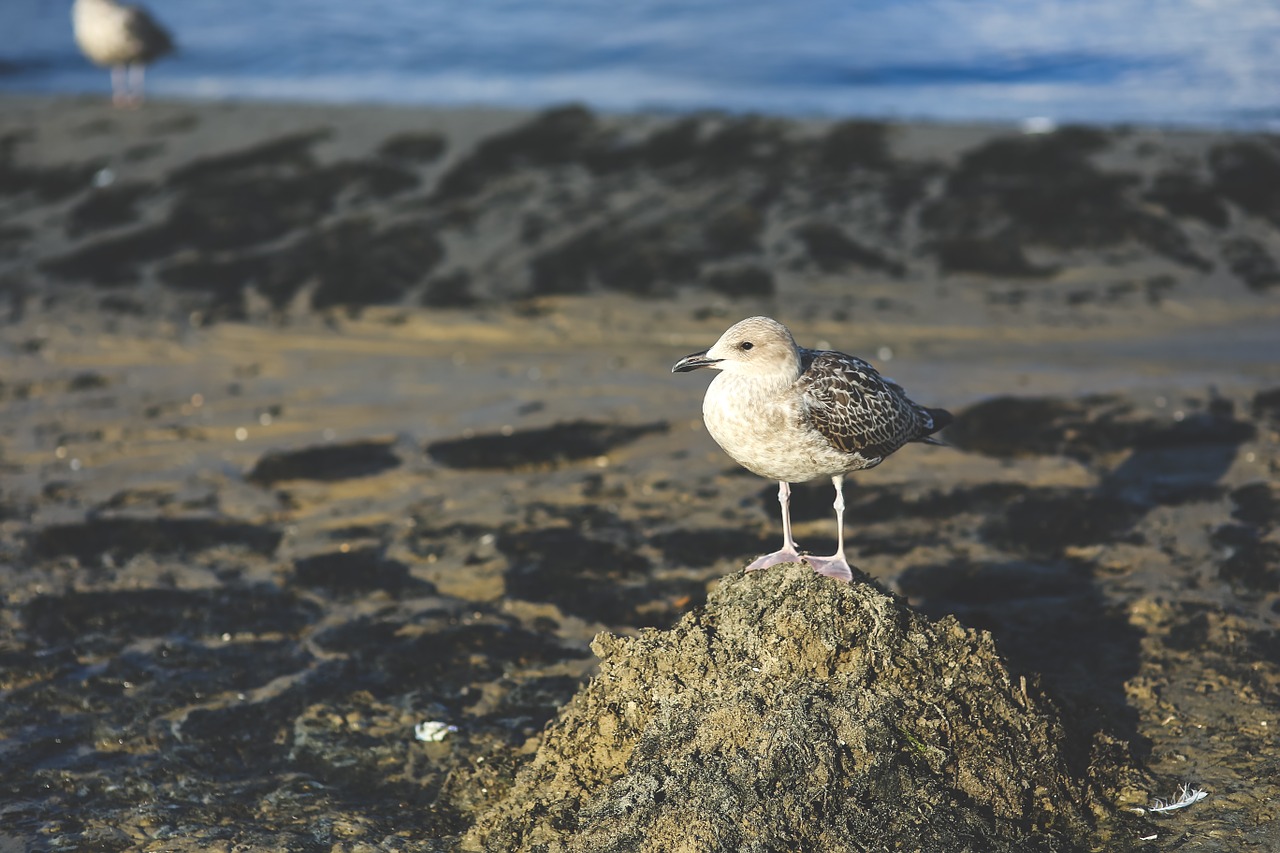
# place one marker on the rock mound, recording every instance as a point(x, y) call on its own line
point(794, 713)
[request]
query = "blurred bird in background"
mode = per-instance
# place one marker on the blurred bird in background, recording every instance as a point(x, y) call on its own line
point(123, 38)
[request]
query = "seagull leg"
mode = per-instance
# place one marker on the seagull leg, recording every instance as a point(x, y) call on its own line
point(788, 554)
point(835, 566)
point(119, 86)
point(138, 83)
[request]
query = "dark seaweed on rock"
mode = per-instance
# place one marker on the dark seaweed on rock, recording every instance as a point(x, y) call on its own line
point(356, 571)
point(1045, 522)
point(293, 150)
point(1247, 172)
point(108, 207)
point(1250, 262)
point(855, 144)
point(49, 183)
point(749, 280)
point(1040, 426)
point(557, 136)
point(424, 147)
point(1254, 567)
point(1266, 404)
point(1184, 194)
point(553, 445)
point(793, 713)
point(123, 537)
point(125, 614)
point(833, 250)
point(1041, 191)
point(325, 462)
point(247, 198)
point(597, 580)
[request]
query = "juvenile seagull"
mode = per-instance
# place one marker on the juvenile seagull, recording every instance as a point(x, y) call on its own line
point(123, 38)
point(793, 415)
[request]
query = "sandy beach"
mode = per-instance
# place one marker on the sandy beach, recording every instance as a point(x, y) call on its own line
point(320, 422)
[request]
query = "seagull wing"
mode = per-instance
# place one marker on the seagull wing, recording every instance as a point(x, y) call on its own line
point(855, 408)
point(147, 32)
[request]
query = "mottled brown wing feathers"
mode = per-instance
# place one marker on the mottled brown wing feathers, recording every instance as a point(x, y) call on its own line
point(857, 409)
point(155, 39)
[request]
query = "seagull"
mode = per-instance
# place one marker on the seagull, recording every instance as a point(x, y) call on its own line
point(793, 415)
point(123, 38)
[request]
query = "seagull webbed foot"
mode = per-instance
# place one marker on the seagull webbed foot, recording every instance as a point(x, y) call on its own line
point(834, 566)
point(786, 555)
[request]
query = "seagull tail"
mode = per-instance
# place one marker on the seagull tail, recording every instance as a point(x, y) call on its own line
point(940, 420)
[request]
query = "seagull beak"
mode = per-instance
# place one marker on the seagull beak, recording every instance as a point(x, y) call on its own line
point(693, 362)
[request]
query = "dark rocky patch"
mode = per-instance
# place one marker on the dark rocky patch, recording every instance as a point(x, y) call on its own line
point(242, 199)
point(833, 250)
point(644, 261)
point(1217, 426)
point(999, 255)
point(704, 547)
point(113, 262)
point(1186, 195)
point(291, 151)
point(444, 661)
point(1266, 404)
point(87, 381)
point(978, 584)
point(231, 739)
point(424, 147)
point(1042, 190)
point(672, 144)
point(745, 142)
point(1257, 504)
point(1247, 172)
point(358, 570)
point(48, 183)
point(1231, 536)
point(276, 275)
point(1029, 426)
point(1250, 262)
point(876, 504)
point(734, 230)
point(1014, 426)
point(115, 617)
point(120, 538)
point(12, 237)
point(108, 207)
point(135, 684)
point(1045, 522)
point(741, 281)
point(1164, 237)
point(553, 445)
point(1254, 567)
point(597, 580)
point(325, 462)
point(143, 151)
point(357, 265)
point(451, 290)
point(555, 137)
point(241, 210)
point(855, 144)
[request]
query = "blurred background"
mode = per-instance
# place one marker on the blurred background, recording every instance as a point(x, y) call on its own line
point(1208, 63)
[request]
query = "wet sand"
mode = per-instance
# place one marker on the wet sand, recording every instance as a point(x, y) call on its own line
point(321, 422)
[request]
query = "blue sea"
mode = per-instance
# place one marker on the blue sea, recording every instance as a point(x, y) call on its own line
point(1209, 63)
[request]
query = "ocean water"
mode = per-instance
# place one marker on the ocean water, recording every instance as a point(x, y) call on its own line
point(1212, 63)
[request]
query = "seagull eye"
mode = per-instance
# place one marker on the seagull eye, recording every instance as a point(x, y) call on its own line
point(745, 345)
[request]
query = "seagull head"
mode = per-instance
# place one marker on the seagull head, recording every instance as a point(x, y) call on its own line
point(757, 346)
